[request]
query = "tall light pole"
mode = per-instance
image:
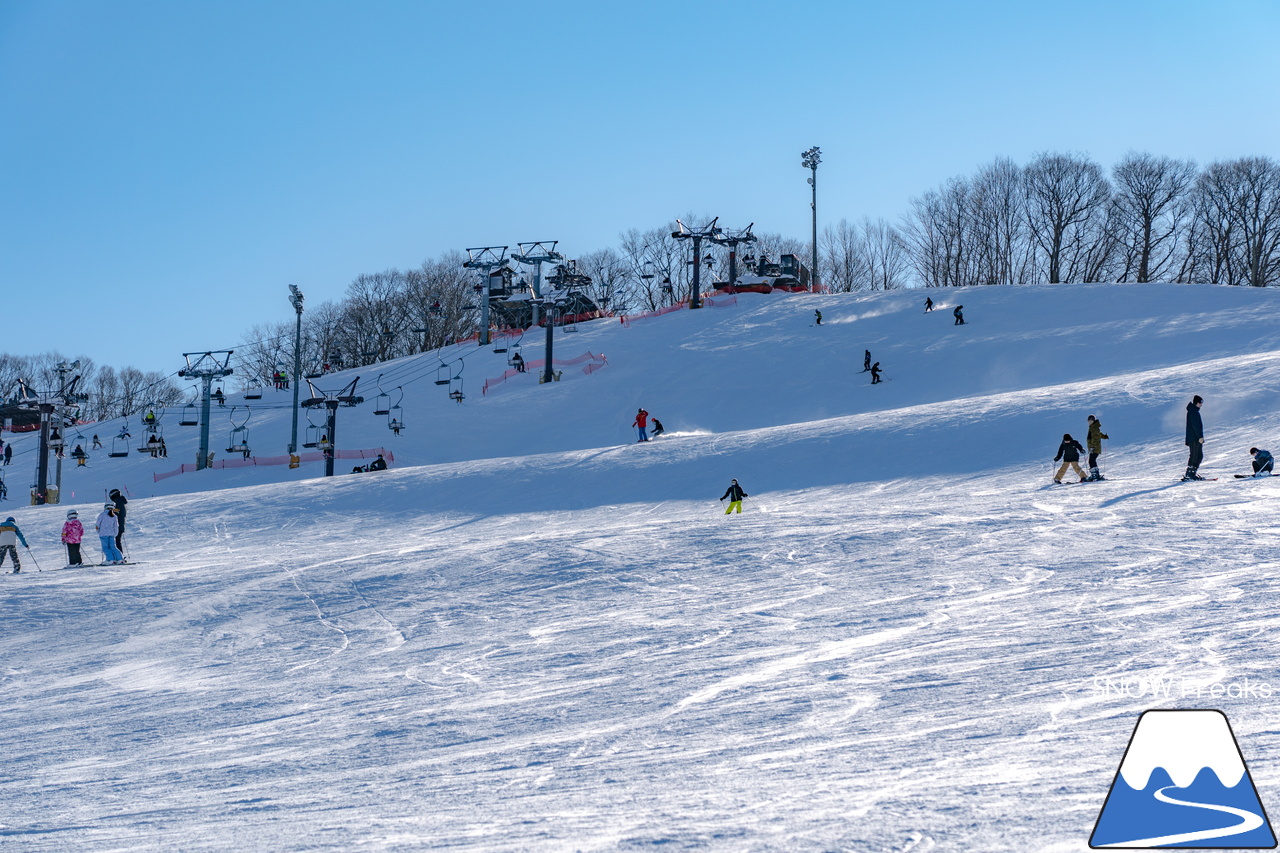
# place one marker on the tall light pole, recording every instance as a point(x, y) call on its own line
point(295, 299)
point(810, 160)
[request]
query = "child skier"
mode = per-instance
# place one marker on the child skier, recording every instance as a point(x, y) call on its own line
point(72, 534)
point(817, 318)
point(1069, 452)
point(10, 536)
point(108, 527)
point(735, 495)
point(1094, 440)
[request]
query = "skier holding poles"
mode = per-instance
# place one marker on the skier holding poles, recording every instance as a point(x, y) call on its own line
point(735, 495)
point(10, 536)
point(72, 534)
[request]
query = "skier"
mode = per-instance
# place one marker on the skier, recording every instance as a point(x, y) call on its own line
point(1263, 462)
point(378, 464)
point(108, 527)
point(1069, 452)
point(959, 315)
point(1094, 440)
point(8, 453)
point(875, 373)
point(866, 362)
point(72, 534)
point(817, 318)
point(657, 428)
point(10, 536)
point(928, 304)
point(735, 495)
point(120, 502)
point(640, 423)
point(97, 442)
point(1195, 439)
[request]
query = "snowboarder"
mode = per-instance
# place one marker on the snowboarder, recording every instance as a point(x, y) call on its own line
point(518, 361)
point(875, 373)
point(378, 464)
point(1194, 439)
point(108, 527)
point(735, 495)
point(928, 304)
point(1069, 452)
point(959, 315)
point(72, 534)
point(10, 536)
point(1263, 462)
point(641, 423)
point(657, 428)
point(866, 362)
point(120, 502)
point(817, 318)
point(1094, 440)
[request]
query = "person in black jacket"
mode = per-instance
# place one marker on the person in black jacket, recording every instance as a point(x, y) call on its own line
point(120, 501)
point(875, 373)
point(735, 495)
point(1069, 452)
point(1195, 439)
point(958, 313)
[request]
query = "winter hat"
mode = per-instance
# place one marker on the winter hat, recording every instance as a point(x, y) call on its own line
point(9, 519)
point(114, 492)
point(1252, 450)
point(1197, 399)
point(72, 514)
point(1066, 436)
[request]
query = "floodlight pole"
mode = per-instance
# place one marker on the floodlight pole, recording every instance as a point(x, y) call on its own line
point(206, 368)
point(810, 160)
point(295, 299)
point(696, 234)
point(487, 259)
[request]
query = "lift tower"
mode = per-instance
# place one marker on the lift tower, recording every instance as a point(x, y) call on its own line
point(207, 367)
point(732, 239)
point(331, 400)
point(697, 235)
point(486, 259)
point(535, 255)
point(50, 403)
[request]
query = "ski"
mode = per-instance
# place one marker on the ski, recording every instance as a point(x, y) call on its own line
point(1253, 476)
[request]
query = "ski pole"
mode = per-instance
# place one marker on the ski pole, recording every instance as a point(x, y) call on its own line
point(33, 558)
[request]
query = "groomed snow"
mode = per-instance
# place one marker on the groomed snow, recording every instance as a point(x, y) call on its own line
point(532, 634)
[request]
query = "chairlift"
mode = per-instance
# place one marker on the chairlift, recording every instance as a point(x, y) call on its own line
point(239, 441)
point(455, 384)
point(312, 438)
point(254, 391)
point(443, 374)
point(381, 403)
point(119, 447)
point(395, 415)
point(569, 322)
point(189, 416)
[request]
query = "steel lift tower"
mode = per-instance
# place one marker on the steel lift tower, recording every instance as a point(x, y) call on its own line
point(486, 259)
point(535, 255)
point(207, 367)
point(697, 235)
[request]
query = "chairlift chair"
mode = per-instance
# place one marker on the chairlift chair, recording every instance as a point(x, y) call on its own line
point(254, 391)
point(239, 441)
point(381, 403)
point(119, 447)
point(395, 420)
point(443, 374)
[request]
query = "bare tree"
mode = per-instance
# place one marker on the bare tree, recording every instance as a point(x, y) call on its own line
point(1237, 207)
point(937, 235)
point(1000, 252)
point(610, 275)
point(1151, 210)
point(1067, 196)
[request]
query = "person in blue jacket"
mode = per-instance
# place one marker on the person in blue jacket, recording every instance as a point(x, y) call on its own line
point(1263, 462)
point(10, 536)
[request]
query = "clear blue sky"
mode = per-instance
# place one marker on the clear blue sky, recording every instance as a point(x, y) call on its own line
point(168, 168)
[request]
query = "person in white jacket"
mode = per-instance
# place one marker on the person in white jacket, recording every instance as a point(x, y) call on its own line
point(108, 526)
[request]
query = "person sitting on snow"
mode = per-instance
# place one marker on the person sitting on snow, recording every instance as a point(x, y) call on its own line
point(1263, 462)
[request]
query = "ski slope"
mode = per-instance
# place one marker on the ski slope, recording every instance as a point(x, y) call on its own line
point(533, 634)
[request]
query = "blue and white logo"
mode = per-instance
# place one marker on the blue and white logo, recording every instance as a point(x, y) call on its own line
point(1183, 783)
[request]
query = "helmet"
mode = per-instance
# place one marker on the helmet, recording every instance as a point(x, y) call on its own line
point(72, 514)
point(108, 506)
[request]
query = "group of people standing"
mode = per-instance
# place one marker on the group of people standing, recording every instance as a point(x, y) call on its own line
point(109, 526)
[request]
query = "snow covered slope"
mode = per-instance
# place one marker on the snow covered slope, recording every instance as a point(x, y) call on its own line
point(533, 634)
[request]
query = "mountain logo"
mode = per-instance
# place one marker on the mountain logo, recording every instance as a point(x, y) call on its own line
point(1182, 783)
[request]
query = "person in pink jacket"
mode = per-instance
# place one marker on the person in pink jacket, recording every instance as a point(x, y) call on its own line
point(72, 533)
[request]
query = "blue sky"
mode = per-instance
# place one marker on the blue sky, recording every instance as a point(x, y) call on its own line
point(168, 168)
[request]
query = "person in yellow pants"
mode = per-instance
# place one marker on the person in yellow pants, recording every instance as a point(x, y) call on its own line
point(735, 495)
point(1069, 452)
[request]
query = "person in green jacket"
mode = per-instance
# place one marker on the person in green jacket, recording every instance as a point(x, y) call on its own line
point(1094, 442)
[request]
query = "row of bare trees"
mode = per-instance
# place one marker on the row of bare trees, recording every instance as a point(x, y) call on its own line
point(1062, 218)
point(111, 393)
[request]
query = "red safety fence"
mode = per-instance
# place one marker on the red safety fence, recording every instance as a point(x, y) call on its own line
point(716, 302)
point(252, 461)
point(534, 366)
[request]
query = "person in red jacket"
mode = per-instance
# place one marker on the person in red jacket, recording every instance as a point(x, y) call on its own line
point(641, 423)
